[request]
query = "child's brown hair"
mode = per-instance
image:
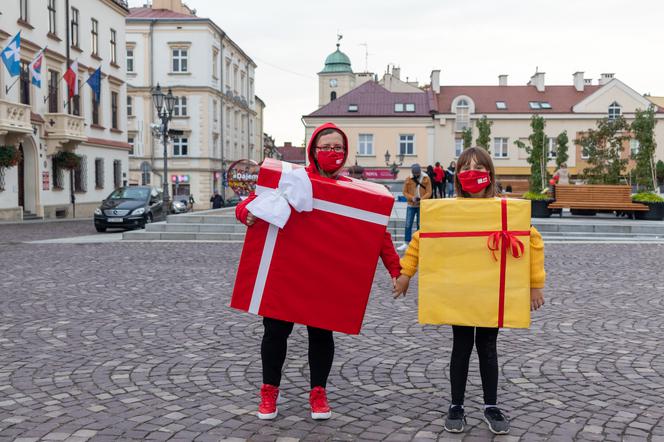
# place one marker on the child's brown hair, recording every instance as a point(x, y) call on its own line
point(482, 157)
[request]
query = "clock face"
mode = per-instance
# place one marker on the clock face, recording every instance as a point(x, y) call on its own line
point(333, 82)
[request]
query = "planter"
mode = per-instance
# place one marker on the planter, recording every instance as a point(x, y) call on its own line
point(540, 208)
point(656, 212)
point(10, 156)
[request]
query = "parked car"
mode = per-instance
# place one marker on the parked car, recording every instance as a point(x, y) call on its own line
point(130, 207)
point(179, 206)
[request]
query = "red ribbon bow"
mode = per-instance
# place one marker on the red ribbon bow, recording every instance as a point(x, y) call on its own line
point(505, 239)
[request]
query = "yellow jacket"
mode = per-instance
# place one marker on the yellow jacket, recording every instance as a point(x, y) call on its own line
point(537, 272)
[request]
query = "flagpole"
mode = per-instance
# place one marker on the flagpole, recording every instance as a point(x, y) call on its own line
point(50, 92)
point(8, 88)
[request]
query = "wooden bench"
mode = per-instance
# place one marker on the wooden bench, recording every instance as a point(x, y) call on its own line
point(519, 187)
point(595, 197)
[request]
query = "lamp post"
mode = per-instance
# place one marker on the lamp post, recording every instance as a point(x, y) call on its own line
point(164, 105)
point(394, 167)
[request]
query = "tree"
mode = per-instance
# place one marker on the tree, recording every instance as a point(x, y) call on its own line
point(561, 149)
point(535, 152)
point(484, 129)
point(643, 130)
point(467, 136)
point(660, 172)
point(604, 147)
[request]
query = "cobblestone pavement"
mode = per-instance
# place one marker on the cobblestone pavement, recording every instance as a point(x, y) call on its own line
point(33, 231)
point(134, 341)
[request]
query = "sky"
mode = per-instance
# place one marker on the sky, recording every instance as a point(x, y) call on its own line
point(471, 42)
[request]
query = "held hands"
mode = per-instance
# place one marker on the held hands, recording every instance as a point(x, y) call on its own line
point(536, 299)
point(400, 286)
point(251, 219)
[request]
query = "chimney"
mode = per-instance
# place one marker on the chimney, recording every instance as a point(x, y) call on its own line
point(435, 81)
point(502, 80)
point(578, 81)
point(288, 144)
point(605, 78)
point(537, 80)
point(588, 81)
point(396, 72)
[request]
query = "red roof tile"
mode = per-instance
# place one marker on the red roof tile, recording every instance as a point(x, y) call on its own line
point(373, 100)
point(157, 13)
point(292, 154)
point(517, 98)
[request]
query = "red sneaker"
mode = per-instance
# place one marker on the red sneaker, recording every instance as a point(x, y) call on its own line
point(268, 406)
point(320, 409)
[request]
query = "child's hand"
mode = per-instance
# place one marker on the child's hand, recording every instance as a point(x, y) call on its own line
point(536, 299)
point(401, 286)
point(251, 219)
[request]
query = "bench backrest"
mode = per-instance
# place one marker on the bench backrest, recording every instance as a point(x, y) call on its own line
point(594, 193)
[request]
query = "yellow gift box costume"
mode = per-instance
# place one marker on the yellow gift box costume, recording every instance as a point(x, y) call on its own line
point(478, 259)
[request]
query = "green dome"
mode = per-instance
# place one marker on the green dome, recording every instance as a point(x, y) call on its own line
point(337, 61)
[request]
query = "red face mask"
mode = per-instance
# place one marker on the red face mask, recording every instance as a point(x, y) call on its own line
point(330, 161)
point(474, 181)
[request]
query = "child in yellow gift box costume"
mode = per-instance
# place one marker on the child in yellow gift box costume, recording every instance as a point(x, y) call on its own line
point(479, 324)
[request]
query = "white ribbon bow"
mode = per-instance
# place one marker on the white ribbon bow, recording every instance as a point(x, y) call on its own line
point(294, 190)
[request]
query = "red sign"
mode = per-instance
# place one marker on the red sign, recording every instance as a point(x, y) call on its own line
point(46, 181)
point(242, 177)
point(378, 174)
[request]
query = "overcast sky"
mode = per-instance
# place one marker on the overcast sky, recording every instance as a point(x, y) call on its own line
point(471, 42)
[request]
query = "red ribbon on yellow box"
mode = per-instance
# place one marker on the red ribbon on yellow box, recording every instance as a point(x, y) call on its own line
point(504, 241)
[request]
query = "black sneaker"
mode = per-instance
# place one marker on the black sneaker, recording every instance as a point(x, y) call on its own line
point(497, 421)
point(456, 419)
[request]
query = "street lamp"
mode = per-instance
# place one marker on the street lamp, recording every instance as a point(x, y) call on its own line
point(164, 105)
point(394, 167)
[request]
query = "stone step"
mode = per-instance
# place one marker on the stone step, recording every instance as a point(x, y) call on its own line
point(196, 228)
point(142, 235)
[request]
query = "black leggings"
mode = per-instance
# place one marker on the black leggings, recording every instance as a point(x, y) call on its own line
point(485, 340)
point(274, 346)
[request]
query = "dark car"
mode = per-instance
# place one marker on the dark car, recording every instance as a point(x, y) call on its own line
point(130, 207)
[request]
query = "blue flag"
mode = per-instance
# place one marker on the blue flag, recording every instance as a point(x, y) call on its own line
point(95, 83)
point(11, 55)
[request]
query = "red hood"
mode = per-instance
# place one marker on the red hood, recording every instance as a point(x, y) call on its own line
point(312, 164)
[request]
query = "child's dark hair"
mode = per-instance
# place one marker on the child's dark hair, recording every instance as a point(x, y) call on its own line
point(482, 157)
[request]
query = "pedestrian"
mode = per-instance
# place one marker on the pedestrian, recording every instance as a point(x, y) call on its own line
point(432, 175)
point(563, 175)
point(439, 180)
point(415, 188)
point(476, 179)
point(216, 200)
point(327, 152)
point(191, 203)
point(449, 178)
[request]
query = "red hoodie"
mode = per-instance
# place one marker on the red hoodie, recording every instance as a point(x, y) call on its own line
point(387, 253)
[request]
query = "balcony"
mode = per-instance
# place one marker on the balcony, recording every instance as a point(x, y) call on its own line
point(14, 121)
point(63, 130)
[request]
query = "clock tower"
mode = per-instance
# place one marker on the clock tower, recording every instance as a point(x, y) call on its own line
point(336, 78)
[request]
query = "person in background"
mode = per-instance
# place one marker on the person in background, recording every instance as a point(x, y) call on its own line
point(216, 200)
point(431, 174)
point(439, 181)
point(449, 175)
point(416, 188)
point(563, 175)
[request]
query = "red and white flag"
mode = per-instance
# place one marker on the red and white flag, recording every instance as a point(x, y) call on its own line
point(71, 78)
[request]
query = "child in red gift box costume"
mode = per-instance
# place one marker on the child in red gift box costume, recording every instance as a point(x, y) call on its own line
point(475, 178)
point(327, 152)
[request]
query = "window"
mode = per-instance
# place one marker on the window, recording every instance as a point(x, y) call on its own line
point(130, 59)
point(95, 109)
point(76, 101)
point(80, 176)
point(180, 107)
point(117, 173)
point(52, 21)
point(407, 144)
point(145, 174)
point(130, 106)
point(24, 83)
point(53, 92)
point(243, 120)
point(545, 105)
point(458, 146)
point(114, 110)
point(23, 10)
point(94, 37)
point(552, 147)
point(501, 105)
point(58, 175)
point(352, 108)
point(235, 79)
point(99, 173)
point(410, 107)
point(74, 27)
point(534, 104)
point(500, 147)
point(333, 96)
point(114, 47)
point(614, 110)
point(215, 61)
point(398, 107)
point(242, 83)
point(228, 73)
point(228, 118)
point(180, 146)
point(215, 115)
point(462, 115)
point(130, 140)
point(365, 144)
point(179, 59)
point(236, 122)
point(634, 146)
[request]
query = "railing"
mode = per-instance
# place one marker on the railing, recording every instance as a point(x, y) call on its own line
point(65, 126)
point(14, 117)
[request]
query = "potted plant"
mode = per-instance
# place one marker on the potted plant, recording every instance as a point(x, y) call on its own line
point(539, 204)
point(655, 204)
point(9, 156)
point(67, 160)
point(536, 158)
